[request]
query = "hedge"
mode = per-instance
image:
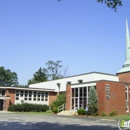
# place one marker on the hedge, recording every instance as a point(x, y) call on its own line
point(28, 107)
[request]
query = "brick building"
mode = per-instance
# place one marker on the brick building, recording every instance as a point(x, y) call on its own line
point(113, 90)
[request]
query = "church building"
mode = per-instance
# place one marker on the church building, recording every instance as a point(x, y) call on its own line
point(113, 90)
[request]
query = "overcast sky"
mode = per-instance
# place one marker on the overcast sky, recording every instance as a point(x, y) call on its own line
point(85, 35)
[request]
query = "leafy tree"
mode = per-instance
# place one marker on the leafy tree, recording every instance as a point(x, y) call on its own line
point(92, 101)
point(8, 78)
point(39, 76)
point(52, 72)
point(110, 3)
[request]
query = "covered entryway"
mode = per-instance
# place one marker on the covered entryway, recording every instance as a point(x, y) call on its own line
point(1, 104)
point(79, 97)
point(4, 103)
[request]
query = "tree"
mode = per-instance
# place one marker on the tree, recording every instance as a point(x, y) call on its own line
point(110, 3)
point(8, 78)
point(92, 101)
point(52, 72)
point(39, 76)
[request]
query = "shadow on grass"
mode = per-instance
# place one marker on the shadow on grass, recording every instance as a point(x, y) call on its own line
point(21, 125)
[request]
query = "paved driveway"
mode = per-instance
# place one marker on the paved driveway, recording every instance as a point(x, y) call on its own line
point(10, 121)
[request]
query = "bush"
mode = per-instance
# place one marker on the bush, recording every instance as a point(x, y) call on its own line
point(27, 107)
point(103, 114)
point(92, 101)
point(81, 111)
point(60, 100)
point(95, 114)
point(55, 110)
point(113, 113)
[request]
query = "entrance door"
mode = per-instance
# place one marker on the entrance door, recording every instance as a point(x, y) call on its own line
point(1, 104)
point(75, 103)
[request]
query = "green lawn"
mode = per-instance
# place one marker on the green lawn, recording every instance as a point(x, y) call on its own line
point(43, 113)
point(126, 117)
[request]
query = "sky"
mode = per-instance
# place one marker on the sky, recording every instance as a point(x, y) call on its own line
point(85, 35)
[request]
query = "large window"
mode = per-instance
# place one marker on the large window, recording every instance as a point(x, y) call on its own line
point(31, 95)
point(79, 97)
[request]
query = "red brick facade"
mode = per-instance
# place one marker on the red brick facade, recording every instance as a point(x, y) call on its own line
point(124, 77)
point(11, 94)
point(68, 96)
point(117, 99)
point(52, 97)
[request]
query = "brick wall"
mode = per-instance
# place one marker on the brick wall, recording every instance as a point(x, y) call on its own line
point(117, 99)
point(68, 96)
point(124, 77)
point(11, 94)
point(7, 102)
point(52, 97)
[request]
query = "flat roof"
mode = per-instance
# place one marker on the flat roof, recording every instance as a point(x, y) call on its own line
point(23, 88)
point(79, 75)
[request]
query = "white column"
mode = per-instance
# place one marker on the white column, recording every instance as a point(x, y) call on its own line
point(87, 96)
point(78, 96)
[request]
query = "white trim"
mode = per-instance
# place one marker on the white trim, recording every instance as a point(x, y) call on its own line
point(83, 85)
point(2, 97)
point(35, 89)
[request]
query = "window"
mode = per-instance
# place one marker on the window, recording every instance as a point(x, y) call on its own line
point(34, 99)
point(17, 94)
point(46, 96)
point(17, 98)
point(126, 92)
point(3, 92)
point(127, 109)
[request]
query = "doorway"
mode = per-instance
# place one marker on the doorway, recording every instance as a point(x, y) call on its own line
point(1, 104)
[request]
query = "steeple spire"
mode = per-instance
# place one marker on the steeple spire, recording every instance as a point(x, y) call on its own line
point(126, 66)
point(127, 43)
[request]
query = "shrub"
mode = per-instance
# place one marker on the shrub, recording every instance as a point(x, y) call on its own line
point(113, 113)
point(95, 114)
point(60, 100)
point(55, 110)
point(81, 111)
point(92, 101)
point(103, 114)
point(27, 107)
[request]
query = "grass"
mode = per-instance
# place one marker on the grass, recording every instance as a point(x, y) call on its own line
point(125, 117)
point(43, 113)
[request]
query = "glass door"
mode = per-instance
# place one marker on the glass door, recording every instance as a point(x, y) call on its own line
point(75, 103)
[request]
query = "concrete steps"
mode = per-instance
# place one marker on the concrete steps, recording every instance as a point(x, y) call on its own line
point(68, 113)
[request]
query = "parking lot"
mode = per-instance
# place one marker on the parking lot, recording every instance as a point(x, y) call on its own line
point(11, 121)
